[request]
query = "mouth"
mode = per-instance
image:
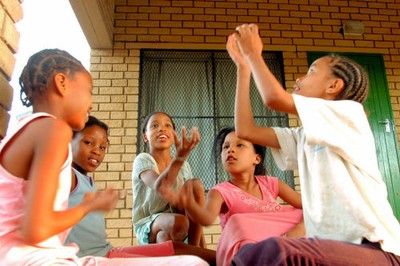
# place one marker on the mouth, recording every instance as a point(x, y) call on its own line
point(230, 158)
point(93, 162)
point(162, 137)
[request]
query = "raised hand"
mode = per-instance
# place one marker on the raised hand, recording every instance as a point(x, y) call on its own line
point(188, 143)
point(248, 39)
point(234, 52)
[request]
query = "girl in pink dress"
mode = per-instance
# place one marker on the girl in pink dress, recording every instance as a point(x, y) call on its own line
point(247, 203)
point(35, 170)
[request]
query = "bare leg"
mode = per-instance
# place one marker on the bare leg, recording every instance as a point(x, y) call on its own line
point(208, 255)
point(196, 236)
point(169, 226)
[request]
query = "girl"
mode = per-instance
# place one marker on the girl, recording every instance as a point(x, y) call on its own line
point(346, 211)
point(156, 177)
point(247, 203)
point(88, 150)
point(35, 169)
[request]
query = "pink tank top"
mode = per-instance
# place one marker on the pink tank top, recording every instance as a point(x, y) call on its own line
point(239, 201)
point(13, 198)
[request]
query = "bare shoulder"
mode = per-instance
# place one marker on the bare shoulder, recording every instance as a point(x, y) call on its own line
point(47, 127)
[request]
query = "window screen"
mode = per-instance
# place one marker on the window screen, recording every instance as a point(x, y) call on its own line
point(197, 88)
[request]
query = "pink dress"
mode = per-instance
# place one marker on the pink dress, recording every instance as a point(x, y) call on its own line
point(249, 219)
point(13, 250)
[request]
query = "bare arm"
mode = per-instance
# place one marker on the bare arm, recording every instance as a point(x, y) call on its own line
point(164, 182)
point(293, 198)
point(289, 195)
point(245, 126)
point(204, 215)
point(272, 93)
point(50, 150)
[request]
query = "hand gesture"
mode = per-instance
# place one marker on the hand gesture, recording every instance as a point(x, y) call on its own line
point(103, 200)
point(234, 52)
point(188, 143)
point(248, 39)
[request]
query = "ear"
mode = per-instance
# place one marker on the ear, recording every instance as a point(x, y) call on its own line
point(60, 81)
point(336, 86)
point(145, 139)
point(258, 159)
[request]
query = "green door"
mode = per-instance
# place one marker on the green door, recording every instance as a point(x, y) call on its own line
point(380, 117)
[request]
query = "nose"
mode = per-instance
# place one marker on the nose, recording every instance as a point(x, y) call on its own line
point(96, 150)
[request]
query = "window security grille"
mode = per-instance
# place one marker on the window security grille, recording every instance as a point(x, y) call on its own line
point(197, 88)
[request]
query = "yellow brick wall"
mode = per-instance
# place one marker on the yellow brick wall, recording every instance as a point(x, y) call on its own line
point(293, 27)
point(10, 13)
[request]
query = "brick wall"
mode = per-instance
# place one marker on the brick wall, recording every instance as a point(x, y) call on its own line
point(10, 13)
point(293, 27)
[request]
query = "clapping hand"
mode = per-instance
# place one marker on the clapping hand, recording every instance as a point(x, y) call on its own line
point(188, 143)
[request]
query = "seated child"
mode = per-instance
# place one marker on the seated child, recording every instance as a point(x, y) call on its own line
point(156, 178)
point(89, 147)
point(347, 215)
point(35, 170)
point(246, 203)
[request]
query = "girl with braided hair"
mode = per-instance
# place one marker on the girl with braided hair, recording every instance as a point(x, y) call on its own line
point(347, 216)
point(35, 170)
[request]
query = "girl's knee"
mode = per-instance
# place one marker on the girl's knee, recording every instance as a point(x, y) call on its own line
point(180, 227)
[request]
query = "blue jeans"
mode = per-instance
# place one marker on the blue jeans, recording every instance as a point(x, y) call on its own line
point(311, 251)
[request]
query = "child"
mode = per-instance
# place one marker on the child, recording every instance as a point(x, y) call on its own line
point(346, 211)
point(246, 203)
point(35, 172)
point(88, 150)
point(156, 176)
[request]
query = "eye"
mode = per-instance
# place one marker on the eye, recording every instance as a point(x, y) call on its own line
point(225, 147)
point(103, 148)
point(169, 125)
point(240, 145)
point(153, 126)
point(89, 143)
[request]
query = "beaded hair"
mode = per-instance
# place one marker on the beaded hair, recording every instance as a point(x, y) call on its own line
point(40, 69)
point(356, 83)
point(219, 141)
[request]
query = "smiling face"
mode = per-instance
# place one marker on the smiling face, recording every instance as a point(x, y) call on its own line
point(159, 132)
point(238, 156)
point(89, 148)
point(319, 82)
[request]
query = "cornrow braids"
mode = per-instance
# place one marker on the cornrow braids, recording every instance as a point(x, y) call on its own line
point(356, 83)
point(41, 67)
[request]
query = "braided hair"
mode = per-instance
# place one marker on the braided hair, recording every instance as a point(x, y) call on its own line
point(356, 83)
point(219, 141)
point(40, 69)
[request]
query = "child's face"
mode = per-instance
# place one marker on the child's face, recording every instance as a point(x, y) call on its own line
point(318, 80)
point(79, 99)
point(238, 155)
point(159, 131)
point(89, 148)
